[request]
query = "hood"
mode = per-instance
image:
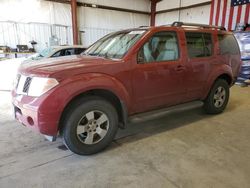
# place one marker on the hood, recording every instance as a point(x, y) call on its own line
point(53, 66)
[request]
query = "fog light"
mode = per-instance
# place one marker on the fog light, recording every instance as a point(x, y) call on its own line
point(30, 121)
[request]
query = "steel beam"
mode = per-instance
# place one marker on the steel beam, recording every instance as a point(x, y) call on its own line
point(74, 21)
point(153, 12)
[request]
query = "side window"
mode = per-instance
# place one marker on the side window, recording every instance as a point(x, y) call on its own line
point(78, 50)
point(208, 44)
point(228, 44)
point(163, 46)
point(58, 54)
point(69, 52)
point(199, 44)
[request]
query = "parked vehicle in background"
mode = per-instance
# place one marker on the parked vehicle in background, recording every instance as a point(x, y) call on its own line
point(126, 74)
point(8, 68)
point(243, 38)
point(57, 51)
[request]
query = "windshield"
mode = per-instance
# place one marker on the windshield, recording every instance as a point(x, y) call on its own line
point(115, 46)
point(46, 52)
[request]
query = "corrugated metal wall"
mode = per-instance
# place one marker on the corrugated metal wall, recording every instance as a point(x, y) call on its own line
point(13, 33)
point(98, 22)
point(39, 20)
point(95, 23)
point(192, 15)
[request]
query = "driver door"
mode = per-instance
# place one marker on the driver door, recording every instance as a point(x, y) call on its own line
point(159, 73)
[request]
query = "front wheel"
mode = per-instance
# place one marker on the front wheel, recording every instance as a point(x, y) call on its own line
point(90, 125)
point(217, 98)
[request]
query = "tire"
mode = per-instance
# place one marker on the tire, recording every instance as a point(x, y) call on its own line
point(90, 125)
point(217, 98)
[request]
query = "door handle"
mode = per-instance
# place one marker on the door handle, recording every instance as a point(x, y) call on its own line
point(180, 68)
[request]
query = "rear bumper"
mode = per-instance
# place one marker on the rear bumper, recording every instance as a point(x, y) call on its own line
point(27, 112)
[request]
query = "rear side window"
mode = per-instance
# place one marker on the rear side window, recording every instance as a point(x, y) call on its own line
point(79, 50)
point(199, 44)
point(228, 44)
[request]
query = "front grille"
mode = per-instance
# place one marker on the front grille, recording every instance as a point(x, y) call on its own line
point(23, 84)
point(27, 84)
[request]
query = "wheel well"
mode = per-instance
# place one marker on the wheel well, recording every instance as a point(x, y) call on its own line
point(107, 95)
point(226, 77)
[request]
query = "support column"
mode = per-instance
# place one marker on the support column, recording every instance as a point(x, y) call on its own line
point(153, 12)
point(74, 21)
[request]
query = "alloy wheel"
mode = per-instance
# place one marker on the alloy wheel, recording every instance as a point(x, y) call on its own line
point(92, 127)
point(219, 97)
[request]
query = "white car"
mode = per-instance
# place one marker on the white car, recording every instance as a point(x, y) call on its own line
point(9, 67)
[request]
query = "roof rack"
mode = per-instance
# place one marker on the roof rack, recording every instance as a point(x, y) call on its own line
point(180, 24)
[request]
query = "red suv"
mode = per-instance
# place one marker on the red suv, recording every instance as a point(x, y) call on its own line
point(86, 98)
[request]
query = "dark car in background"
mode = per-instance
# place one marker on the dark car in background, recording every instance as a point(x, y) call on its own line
point(57, 51)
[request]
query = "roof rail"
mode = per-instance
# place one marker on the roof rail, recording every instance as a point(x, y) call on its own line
point(180, 24)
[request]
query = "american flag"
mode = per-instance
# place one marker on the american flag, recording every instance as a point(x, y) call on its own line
point(228, 13)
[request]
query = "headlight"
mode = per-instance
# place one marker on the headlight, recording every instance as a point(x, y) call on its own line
point(39, 86)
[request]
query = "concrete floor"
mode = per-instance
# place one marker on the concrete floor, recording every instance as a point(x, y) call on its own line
point(184, 149)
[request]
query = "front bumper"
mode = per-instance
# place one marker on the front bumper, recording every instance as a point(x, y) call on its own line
point(27, 111)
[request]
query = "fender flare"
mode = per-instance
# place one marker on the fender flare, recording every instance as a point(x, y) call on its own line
point(94, 81)
point(219, 71)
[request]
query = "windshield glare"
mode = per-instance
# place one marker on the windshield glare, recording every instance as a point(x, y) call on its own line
point(115, 46)
point(46, 52)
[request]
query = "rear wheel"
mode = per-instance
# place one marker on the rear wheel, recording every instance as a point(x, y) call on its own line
point(90, 125)
point(217, 98)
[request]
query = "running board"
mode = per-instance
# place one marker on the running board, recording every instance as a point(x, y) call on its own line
point(162, 112)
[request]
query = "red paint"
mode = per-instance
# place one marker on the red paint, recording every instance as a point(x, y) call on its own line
point(239, 14)
point(142, 87)
point(224, 13)
point(230, 21)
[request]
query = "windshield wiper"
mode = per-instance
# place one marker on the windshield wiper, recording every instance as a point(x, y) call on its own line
point(105, 55)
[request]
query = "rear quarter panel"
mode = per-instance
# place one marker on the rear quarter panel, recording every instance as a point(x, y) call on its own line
point(218, 70)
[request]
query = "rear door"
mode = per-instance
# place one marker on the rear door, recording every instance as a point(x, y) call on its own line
point(200, 57)
point(159, 73)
